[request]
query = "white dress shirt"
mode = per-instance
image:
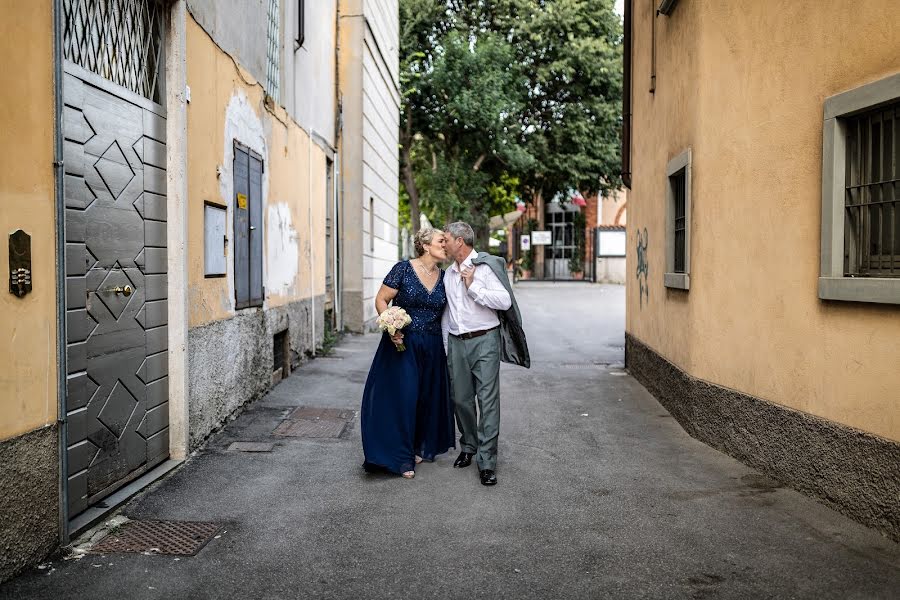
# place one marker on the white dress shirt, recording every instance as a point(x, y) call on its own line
point(474, 309)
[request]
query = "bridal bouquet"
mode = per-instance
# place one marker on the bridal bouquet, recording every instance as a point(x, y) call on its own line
point(393, 320)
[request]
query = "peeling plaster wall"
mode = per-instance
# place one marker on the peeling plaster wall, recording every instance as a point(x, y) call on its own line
point(242, 124)
point(231, 360)
point(227, 104)
point(231, 350)
point(283, 250)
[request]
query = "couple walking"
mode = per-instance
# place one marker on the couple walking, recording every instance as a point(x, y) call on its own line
point(464, 322)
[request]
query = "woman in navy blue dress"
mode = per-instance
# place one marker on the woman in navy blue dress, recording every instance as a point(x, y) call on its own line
point(407, 414)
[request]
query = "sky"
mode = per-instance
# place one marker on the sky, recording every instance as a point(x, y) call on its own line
point(620, 7)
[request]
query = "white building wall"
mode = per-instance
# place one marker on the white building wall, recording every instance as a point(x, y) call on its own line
point(310, 69)
point(381, 125)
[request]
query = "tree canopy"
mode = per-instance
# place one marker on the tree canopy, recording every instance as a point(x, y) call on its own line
point(506, 98)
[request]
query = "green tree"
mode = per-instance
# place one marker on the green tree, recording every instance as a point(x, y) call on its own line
point(503, 91)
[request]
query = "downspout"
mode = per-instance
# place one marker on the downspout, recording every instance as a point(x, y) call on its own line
point(338, 177)
point(60, 202)
point(312, 263)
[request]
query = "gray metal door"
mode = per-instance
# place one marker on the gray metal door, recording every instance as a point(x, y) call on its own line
point(117, 397)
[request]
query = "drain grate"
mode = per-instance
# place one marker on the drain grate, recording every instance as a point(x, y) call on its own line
point(312, 428)
point(315, 422)
point(179, 538)
point(313, 412)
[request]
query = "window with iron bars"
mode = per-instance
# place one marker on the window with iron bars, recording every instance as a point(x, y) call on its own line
point(677, 274)
point(120, 40)
point(273, 50)
point(872, 197)
point(678, 182)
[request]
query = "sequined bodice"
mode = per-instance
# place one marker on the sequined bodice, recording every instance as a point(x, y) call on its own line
point(423, 306)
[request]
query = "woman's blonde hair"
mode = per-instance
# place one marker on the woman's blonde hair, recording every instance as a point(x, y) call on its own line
point(423, 237)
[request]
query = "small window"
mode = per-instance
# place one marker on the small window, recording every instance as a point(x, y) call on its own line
point(678, 222)
point(248, 231)
point(872, 200)
point(273, 50)
point(860, 255)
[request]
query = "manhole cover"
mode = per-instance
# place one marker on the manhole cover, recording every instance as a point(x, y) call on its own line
point(180, 538)
point(312, 428)
point(313, 412)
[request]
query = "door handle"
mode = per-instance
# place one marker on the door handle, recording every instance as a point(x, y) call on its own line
point(125, 291)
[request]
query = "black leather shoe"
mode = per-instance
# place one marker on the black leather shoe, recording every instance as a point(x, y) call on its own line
point(463, 460)
point(488, 477)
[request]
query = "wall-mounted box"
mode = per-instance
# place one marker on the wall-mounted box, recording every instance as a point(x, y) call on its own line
point(215, 241)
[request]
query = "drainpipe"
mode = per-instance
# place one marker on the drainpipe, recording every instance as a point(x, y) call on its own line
point(312, 263)
point(60, 202)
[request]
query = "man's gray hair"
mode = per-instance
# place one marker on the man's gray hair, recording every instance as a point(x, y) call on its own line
point(462, 230)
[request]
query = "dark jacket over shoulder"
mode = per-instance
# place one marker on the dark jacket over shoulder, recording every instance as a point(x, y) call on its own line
point(513, 347)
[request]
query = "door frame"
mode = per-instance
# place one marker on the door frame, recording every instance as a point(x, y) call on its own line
point(174, 86)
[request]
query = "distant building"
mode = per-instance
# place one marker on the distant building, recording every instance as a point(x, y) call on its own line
point(763, 300)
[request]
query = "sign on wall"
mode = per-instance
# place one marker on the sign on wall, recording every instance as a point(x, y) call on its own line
point(612, 243)
point(541, 238)
point(525, 242)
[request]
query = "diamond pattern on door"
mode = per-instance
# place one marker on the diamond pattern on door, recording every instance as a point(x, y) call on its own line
point(116, 303)
point(114, 433)
point(117, 410)
point(114, 170)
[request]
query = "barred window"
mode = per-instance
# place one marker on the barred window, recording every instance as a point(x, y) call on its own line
point(120, 40)
point(273, 50)
point(677, 183)
point(678, 222)
point(872, 198)
point(860, 255)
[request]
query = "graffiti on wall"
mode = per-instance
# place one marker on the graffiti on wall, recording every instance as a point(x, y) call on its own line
point(643, 238)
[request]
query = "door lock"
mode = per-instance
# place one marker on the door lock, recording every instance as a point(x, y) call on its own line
point(125, 291)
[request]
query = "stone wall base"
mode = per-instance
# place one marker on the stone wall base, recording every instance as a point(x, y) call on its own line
point(231, 361)
point(29, 499)
point(853, 472)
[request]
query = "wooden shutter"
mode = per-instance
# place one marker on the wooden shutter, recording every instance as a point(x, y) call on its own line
point(241, 226)
point(256, 231)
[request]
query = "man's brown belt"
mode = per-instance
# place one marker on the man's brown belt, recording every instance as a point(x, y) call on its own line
point(474, 334)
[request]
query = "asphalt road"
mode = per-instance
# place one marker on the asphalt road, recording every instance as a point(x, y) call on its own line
point(601, 495)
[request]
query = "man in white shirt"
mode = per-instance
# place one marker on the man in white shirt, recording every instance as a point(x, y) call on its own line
point(471, 330)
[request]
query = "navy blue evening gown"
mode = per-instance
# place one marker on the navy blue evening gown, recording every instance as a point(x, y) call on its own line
point(406, 406)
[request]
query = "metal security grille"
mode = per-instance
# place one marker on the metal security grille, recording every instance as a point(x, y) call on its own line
point(678, 184)
point(872, 201)
point(120, 40)
point(273, 52)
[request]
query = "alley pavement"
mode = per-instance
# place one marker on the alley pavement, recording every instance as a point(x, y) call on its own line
point(601, 495)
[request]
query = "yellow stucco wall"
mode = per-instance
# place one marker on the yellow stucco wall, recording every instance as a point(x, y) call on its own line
point(27, 325)
point(227, 103)
point(743, 85)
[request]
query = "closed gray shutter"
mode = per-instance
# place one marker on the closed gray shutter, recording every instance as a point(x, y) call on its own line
point(241, 226)
point(256, 231)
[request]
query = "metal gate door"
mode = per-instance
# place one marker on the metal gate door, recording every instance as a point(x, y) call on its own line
point(117, 401)
point(558, 219)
